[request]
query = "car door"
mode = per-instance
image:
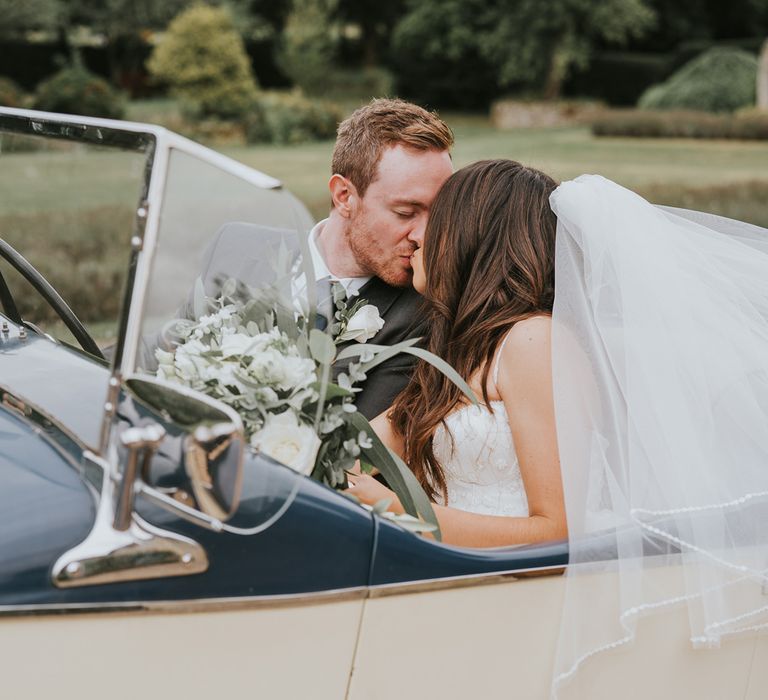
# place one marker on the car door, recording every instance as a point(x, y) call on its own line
point(491, 630)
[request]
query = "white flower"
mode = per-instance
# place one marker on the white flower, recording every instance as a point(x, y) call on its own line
point(283, 438)
point(242, 344)
point(285, 372)
point(189, 364)
point(165, 365)
point(365, 324)
point(225, 373)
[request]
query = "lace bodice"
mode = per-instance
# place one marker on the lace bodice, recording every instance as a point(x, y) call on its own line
point(476, 450)
point(481, 467)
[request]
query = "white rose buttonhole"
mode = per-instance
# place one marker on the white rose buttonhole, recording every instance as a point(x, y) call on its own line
point(363, 325)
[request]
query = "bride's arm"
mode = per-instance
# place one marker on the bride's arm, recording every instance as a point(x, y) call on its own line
point(383, 428)
point(525, 385)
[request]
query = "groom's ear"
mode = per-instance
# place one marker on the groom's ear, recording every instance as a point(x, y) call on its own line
point(343, 195)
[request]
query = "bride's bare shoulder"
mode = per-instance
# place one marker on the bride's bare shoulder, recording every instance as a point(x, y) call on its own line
point(525, 362)
point(532, 330)
point(526, 348)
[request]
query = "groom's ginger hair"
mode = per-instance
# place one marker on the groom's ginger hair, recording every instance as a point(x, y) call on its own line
point(363, 136)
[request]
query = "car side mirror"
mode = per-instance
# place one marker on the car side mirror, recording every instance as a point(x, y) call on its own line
point(121, 546)
point(214, 444)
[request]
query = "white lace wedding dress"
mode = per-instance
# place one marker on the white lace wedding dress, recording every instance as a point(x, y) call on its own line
point(476, 450)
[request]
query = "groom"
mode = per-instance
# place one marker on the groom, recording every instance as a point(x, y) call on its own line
point(389, 161)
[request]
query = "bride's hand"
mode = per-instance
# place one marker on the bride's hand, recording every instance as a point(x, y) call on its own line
point(369, 491)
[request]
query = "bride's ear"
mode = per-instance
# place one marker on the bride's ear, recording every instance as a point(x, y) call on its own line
point(343, 194)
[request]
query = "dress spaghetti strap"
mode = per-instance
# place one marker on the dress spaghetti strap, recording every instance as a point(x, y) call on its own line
point(498, 359)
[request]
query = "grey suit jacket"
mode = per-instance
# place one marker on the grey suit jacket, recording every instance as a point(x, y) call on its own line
point(246, 251)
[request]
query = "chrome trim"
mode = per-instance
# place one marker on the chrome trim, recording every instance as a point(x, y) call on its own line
point(142, 257)
point(385, 590)
point(142, 443)
point(281, 601)
point(110, 555)
point(190, 606)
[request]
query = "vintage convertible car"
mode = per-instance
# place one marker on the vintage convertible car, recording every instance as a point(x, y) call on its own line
point(136, 527)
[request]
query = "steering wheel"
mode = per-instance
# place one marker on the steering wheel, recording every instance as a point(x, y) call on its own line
point(50, 296)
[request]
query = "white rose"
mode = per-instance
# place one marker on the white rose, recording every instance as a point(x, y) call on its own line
point(282, 371)
point(241, 344)
point(297, 372)
point(283, 438)
point(365, 324)
point(188, 360)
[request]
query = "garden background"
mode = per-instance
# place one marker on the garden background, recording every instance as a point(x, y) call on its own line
point(668, 97)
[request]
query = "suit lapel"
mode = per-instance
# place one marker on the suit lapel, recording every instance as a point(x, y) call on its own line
point(380, 294)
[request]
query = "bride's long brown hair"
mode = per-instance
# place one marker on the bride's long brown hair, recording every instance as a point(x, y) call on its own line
point(489, 251)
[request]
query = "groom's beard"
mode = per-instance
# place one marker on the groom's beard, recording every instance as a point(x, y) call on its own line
point(392, 265)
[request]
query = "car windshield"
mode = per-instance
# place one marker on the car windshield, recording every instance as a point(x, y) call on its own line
point(216, 223)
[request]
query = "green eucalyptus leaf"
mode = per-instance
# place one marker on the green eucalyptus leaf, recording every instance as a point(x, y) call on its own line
point(321, 346)
point(381, 506)
point(332, 391)
point(229, 287)
point(399, 477)
point(408, 522)
point(360, 348)
point(199, 300)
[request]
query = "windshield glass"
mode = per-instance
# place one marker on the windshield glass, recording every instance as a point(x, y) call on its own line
point(214, 226)
point(69, 209)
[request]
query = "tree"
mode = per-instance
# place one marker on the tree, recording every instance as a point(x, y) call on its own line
point(309, 44)
point(537, 44)
point(203, 59)
point(376, 21)
point(438, 55)
point(19, 16)
point(528, 44)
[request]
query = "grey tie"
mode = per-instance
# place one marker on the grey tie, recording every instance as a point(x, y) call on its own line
point(325, 305)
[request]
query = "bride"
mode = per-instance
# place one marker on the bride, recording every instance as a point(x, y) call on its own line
point(621, 350)
point(487, 273)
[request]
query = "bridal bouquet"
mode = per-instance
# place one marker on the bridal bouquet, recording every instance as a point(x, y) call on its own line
point(268, 361)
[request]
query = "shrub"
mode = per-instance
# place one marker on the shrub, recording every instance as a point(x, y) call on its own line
point(752, 124)
point(719, 80)
point(291, 118)
point(203, 60)
point(10, 93)
point(75, 90)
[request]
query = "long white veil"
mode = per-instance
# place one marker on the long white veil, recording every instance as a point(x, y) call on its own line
point(660, 361)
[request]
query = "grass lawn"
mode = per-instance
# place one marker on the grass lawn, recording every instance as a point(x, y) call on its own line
point(729, 177)
point(712, 175)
